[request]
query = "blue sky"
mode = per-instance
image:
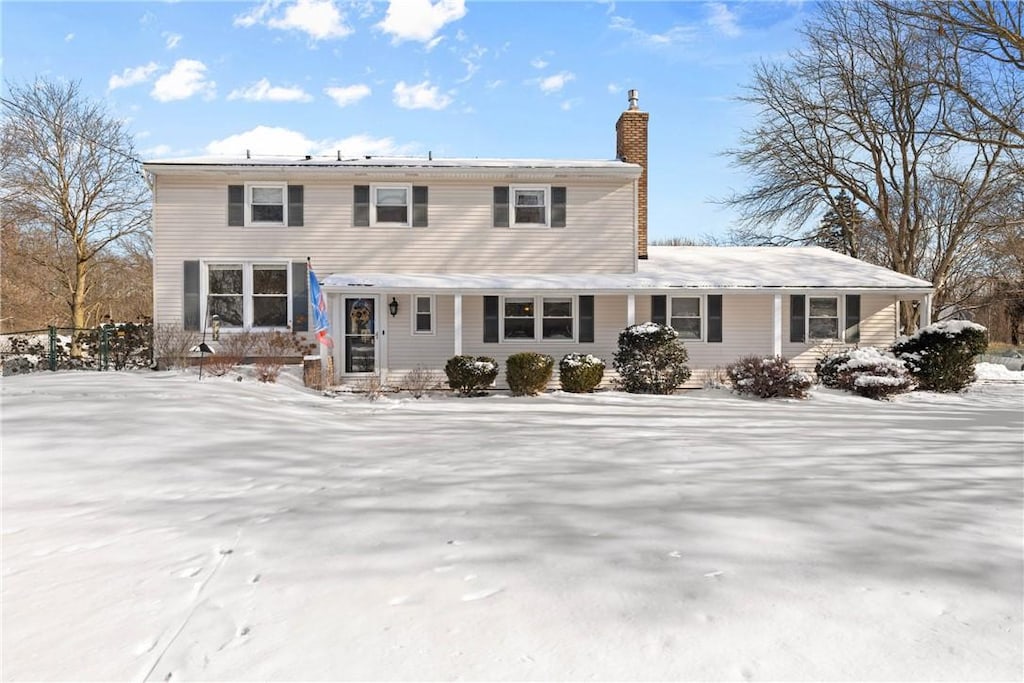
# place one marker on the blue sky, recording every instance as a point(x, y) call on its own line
point(459, 79)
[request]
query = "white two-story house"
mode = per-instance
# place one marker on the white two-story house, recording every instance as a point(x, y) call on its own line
point(422, 259)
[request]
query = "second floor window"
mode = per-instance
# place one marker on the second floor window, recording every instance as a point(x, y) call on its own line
point(266, 204)
point(390, 205)
point(530, 206)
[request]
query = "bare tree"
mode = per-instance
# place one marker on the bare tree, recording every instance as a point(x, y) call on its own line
point(859, 110)
point(69, 175)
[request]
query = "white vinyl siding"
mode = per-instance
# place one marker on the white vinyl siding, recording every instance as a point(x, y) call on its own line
point(190, 222)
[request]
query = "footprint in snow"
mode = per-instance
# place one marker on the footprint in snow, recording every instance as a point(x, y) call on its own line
point(481, 595)
point(190, 572)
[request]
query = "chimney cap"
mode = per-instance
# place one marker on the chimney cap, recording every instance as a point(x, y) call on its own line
point(634, 99)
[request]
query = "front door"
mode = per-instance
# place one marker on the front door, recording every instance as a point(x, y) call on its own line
point(360, 334)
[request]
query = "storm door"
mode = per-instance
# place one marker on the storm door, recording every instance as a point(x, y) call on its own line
point(360, 334)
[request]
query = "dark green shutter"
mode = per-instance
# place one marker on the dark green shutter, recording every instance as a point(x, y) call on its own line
point(797, 325)
point(419, 206)
point(501, 207)
point(852, 335)
point(714, 317)
point(491, 319)
point(658, 307)
point(236, 205)
point(586, 319)
point(361, 205)
point(190, 302)
point(557, 207)
point(300, 297)
point(295, 213)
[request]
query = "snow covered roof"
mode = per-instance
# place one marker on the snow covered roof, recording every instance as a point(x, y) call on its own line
point(365, 163)
point(668, 268)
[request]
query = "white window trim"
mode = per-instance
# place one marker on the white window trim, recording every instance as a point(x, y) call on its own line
point(702, 298)
point(512, 206)
point(249, 222)
point(538, 319)
point(840, 317)
point(247, 292)
point(408, 205)
point(414, 311)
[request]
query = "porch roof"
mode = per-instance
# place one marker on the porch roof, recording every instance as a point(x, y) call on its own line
point(667, 268)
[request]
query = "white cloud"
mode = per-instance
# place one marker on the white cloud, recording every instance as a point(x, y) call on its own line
point(157, 152)
point(268, 140)
point(538, 63)
point(491, 85)
point(472, 62)
point(673, 36)
point(433, 43)
point(420, 20)
point(555, 83)
point(613, 88)
point(420, 96)
point(567, 105)
point(348, 94)
point(172, 40)
point(319, 19)
point(262, 91)
point(132, 76)
point(723, 20)
point(187, 78)
point(69, 37)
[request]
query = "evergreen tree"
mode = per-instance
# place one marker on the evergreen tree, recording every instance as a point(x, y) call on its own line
point(840, 228)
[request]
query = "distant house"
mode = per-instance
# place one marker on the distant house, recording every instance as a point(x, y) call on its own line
point(423, 259)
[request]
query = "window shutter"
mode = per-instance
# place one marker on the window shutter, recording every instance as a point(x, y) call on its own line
point(714, 317)
point(501, 207)
point(852, 335)
point(587, 318)
point(300, 297)
point(419, 206)
point(658, 307)
point(361, 205)
point(797, 326)
point(295, 195)
point(491, 319)
point(190, 301)
point(236, 205)
point(557, 207)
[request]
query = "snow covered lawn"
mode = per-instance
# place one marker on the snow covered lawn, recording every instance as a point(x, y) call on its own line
point(157, 527)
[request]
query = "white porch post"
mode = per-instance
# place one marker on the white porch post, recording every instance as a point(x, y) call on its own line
point(458, 324)
point(631, 310)
point(926, 310)
point(777, 325)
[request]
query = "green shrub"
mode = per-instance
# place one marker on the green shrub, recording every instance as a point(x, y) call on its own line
point(650, 359)
point(828, 366)
point(580, 373)
point(941, 356)
point(528, 373)
point(470, 376)
point(768, 378)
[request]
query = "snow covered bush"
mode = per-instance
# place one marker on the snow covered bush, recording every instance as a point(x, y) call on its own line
point(768, 378)
point(941, 356)
point(580, 373)
point(650, 359)
point(528, 373)
point(872, 373)
point(827, 368)
point(470, 376)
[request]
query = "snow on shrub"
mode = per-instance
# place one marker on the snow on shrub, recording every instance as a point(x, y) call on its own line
point(470, 376)
point(528, 373)
point(866, 371)
point(941, 356)
point(580, 373)
point(650, 359)
point(768, 378)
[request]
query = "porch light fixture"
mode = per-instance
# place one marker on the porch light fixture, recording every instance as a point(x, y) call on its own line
point(393, 307)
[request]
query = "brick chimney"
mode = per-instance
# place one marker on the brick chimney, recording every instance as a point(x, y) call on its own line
point(631, 146)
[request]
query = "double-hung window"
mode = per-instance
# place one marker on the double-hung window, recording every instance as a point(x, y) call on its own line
point(266, 204)
point(423, 314)
point(248, 295)
point(556, 319)
point(685, 317)
point(390, 204)
point(530, 205)
point(823, 317)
